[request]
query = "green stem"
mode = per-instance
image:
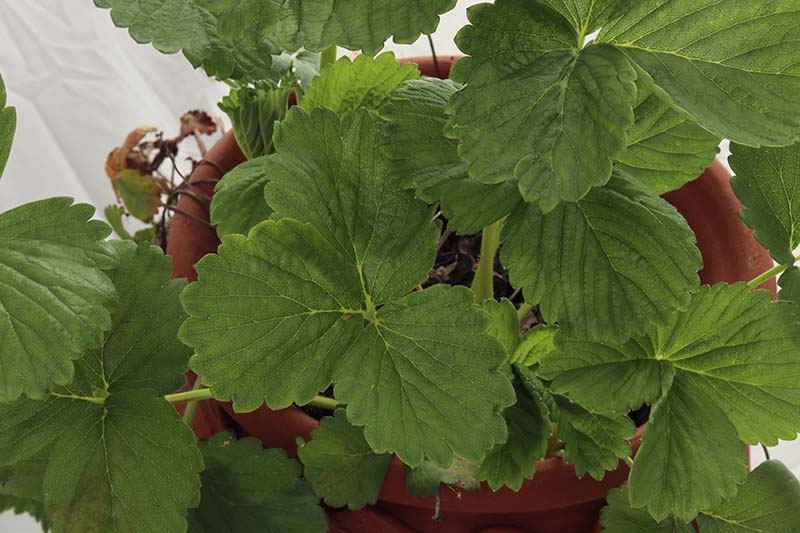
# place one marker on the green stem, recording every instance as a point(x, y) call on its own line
point(523, 311)
point(628, 461)
point(483, 284)
point(195, 394)
point(328, 56)
point(191, 407)
point(323, 402)
point(771, 273)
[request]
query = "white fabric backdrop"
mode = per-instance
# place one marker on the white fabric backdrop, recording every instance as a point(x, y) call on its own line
point(79, 85)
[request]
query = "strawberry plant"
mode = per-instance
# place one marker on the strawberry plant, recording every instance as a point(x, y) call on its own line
point(341, 284)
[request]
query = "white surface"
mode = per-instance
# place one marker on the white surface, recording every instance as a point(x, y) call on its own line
point(79, 85)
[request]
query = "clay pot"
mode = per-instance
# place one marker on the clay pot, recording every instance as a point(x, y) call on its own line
point(555, 500)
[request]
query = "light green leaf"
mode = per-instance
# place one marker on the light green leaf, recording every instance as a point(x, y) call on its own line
point(510, 463)
point(593, 442)
point(53, 296)
point(364, 82)
point(8, 124)
point(175, 25)
point(690, 459)
point(140, 194)
point(253, 112)
point(790, 285)
point(665, 148)
point(114, 215)
point(504, 325)
point(769, 501)
point(248, 489)
point(356, 25)
point(592, 265)
point(537, 342)
point(535, 107)
point(619, 517)
point(767, 182)
point(421, 157)
point(337, 165)
point(426, 379)
point(238, 203)
point(733, 65)
point(301, 67)
point(426, 479)
point(341, 466)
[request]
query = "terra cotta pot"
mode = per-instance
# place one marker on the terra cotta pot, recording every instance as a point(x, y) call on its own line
point(555, 500)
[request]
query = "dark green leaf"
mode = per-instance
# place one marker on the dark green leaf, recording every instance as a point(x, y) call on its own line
point(364, 82)
point(21, 490)
point(537, 108)
point(767, 182)
point(340, 465)
point(790, 285)
point(733, 65)
point(8, 124)
point(238, 203)
point(301, 66)
point(248, 489)
point(620, 517)
point(592, 265)
point(253, 112)
point(53, 296)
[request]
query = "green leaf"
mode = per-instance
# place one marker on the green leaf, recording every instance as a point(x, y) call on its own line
point(364, 82)
point(620, 252)
point(21, 490)
point(238, 203)
point(594, 442)
point(768, 501)
point(341, 466)
point(421, 157)
point(690, 459)
point(114, 215)
point(301, 66)
point(116, 454)
point(175, 25)
point(665, 148)
point(535, 107)
point(248, 489)
point(504, 325)
point(619, 517)
point(355, 25)
point(253, 112)
point(537, 342)
point(425, 479)
point(766, 182)
point(510, 463)
point(8, 124)
point(426, 380)
point(730, 64)
point(336, 164)
point(140, 194)
point(53, 297)
point(584, 15)
point(790, 285)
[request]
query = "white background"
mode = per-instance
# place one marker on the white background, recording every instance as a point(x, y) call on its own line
point(79, 85)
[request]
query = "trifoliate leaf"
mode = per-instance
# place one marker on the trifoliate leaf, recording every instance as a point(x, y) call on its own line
point(537, 108)
point(426, 381)
point(727, 63)
point(238, 203)
point(592, 265)
point(593, 442)
point(315, 25)
point(248, 489)
point(140, 194)
point(253, 112)
point(665, 148)
point(421, 157)
point(340, 465)
point(529, 429)
point(53, 296)
point(790, 285)
point(769, 501)
point(364, 82)
point(537, 342)
point(690, 459)
point(337, 165)
point(8, 124)
point(175, 25)
point(504, 325)
point(316, 290)
point(767, 182)
point(116, 454)
point(619, 517)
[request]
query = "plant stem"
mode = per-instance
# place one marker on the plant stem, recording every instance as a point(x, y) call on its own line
point(771, 273)
point(323, 402)
point(328, 56)
point(483, 284)
point(191, 407)
point(628, 461)
point(523, 311)
point(181, 397)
